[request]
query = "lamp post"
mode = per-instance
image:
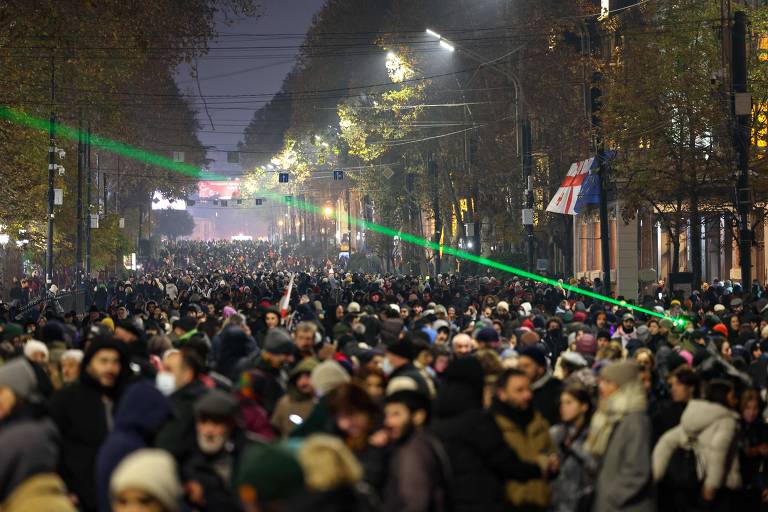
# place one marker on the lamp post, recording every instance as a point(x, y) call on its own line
point(524, 129)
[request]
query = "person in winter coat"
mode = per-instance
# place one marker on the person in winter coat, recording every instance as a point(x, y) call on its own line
point(28, 479)
point(711, 427)
point(527, 432)
point(84, 414)
point(753, 449)
point(208, 471)
point(234, 346)
point(142, 411)
point(480, 459)
point(573, 487)
point(546, 388)
point(419, 472)
point(177, 436)
point(296, 405)
point(620, 439)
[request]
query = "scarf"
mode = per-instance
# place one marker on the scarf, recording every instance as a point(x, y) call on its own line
point(628, 399)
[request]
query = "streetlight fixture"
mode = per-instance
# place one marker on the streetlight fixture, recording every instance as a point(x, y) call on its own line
point(434, 34)
point(447, 45)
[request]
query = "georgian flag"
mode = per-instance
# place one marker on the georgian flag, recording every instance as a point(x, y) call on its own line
point(285, 301)
point(565, 199)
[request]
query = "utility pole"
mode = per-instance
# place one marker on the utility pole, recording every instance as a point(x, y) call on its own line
point(51, 171)
point(79, 202)
point(525, 131)
point(742, 109)
point(88, 202)
point(605, 243)
point(436, 209)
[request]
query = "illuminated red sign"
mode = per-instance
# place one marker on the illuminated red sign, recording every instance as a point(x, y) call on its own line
point(220, 189)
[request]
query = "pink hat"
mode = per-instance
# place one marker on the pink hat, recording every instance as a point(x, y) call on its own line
point(687, 356)
point(228, 311)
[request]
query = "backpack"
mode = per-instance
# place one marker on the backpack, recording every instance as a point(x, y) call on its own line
point(682, 470)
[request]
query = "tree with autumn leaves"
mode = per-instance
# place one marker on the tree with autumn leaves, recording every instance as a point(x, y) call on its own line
point(116, 75)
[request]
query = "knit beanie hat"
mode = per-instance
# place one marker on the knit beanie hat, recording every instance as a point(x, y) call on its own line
point(19, 376)
point(620, 373)
point(152, 471)
point(278, 341)
point(327, 376)
point(404, 348)
point(272, 471)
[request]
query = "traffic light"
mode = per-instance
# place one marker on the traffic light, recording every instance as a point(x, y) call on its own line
point(282, 177)
point(338, 175)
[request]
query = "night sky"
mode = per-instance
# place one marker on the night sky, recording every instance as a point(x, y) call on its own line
point(283, 23)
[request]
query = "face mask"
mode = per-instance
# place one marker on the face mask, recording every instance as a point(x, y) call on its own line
point(165, 382)
point(386, 367)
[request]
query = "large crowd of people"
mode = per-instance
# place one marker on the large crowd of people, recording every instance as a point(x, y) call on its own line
point(236, 376)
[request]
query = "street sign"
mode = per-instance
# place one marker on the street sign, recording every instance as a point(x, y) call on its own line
point(121, 223)
point(542, 264)
point(282, 177)
point(178, 156)
point(338, 175)
point(94, 221)
point(58, 196)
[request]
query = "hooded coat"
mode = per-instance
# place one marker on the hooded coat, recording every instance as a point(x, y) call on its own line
point(29, 448)
point(84, 418)
point(713, 428)
point(143, 410)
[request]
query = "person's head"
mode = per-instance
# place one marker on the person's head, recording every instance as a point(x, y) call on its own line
point(354, 412)
point(70, 365)
point(328, 464)
point(721, 391)
point(614, 376)
point(122, 313)
point(462, 345)
point(644, 357)
point(145, 481)
point(17, 383)
point(266, 477)
point(628, 322)
point(185, 365)
point(401, 353)
point(127, 332)
point(532, 362)
point(723, 348)
point(36, 351)
point(735, 323)
point(104, 366)
point(683, 382)
point(603, 339)
point(750, 405)
point(513, 388)
point(339, 312)
point(215, 416)
point(278, 347)
point(575, 405)
point(653, 326)
point(272, 318)
point(304, 337)
point(405, 412)
point(372, 379)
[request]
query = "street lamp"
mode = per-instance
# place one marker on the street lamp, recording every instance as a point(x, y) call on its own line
point(524, 129)
point(328, 211)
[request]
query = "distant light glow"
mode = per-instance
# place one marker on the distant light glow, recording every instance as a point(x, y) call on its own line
point(160, 202)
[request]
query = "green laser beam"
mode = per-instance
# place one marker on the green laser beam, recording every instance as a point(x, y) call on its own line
point(122, 149)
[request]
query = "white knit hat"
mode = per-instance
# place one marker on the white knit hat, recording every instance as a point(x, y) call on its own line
point(152, 471)
point(327, 376)
point(33, 347)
